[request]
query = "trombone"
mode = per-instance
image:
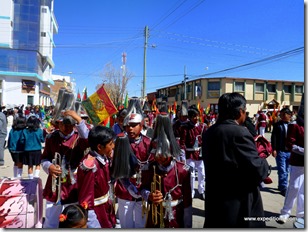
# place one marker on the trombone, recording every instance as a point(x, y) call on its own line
point(56, 181)
point(157, 209)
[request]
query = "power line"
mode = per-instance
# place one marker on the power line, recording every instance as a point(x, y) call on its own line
point(184, 14)
point(283, 55)
point(273, 58)
point(165, 17)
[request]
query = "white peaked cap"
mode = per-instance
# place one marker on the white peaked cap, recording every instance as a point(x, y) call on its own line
point(135, 118)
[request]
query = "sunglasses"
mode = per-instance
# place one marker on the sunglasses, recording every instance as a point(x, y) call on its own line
point(133, 124)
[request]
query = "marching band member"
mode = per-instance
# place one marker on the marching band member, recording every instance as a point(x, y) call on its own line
point(182, 120)
point(172, 195)
point(93, 178)
point(191, 141)
point(61, 188)
point(129, 200)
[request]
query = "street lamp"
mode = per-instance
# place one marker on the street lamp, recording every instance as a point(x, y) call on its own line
point(185, 79)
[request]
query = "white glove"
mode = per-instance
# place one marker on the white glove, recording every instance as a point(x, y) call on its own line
point(133, 191)
point(297, 149)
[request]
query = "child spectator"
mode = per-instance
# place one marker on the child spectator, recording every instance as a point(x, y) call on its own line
point(33, 139)
point(15, 145)
point(74, 216)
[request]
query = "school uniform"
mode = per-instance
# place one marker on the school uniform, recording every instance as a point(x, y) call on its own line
point(190, 142)
point(261, 125)
point(71, 148)
point(93, 180)
point(130, 208)
point(175, 187)
point(15, 145)
point(295, 191)
point(32, 140)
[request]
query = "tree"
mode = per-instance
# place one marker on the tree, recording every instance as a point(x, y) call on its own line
point(115, 83)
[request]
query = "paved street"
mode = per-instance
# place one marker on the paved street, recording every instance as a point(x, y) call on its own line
point(272, 200)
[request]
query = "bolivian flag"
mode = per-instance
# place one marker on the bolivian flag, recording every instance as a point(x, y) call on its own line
point(99, 106)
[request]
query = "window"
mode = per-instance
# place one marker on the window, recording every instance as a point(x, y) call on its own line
point(44, 10)
point(172, 92)
point(28, 84)
point(30, 100)
point(271, 88)
point(298, 89)
point(213, 89)
point(259, 87)
point(43, 34)
point(287, 88)
point(239, 86)
point(188, 88)
point(213, 86)
point(198, 90)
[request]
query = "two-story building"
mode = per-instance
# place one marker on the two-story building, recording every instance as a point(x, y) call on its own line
point(259, 93)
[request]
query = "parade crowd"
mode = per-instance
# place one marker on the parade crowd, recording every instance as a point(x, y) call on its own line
point(147, 162)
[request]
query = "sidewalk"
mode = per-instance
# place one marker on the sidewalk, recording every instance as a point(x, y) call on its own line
point(272, 200)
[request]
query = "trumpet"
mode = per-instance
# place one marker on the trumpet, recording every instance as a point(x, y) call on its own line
point(56, 181)
point(157, 210)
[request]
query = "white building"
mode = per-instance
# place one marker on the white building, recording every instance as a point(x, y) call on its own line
point(26, 48)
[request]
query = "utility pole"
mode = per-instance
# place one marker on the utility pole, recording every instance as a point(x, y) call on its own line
point(141, 88)
point(123, 74)
point(146, 35)
point(185, 78)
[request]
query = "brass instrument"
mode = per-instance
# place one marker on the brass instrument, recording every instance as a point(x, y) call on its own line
point(112, 195)
point(56, 181)
point(157, 209)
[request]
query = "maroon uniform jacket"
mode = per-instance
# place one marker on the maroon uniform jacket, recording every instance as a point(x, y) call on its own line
point(175, 179)
point(295, 136)
point(141, 149)
point(262, 120)
point(189, 134)
point(93, 185)
point(72, 150)
point(177, 127)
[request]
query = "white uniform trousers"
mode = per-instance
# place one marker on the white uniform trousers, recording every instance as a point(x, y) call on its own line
point(295, 192)
point(261, 130)
point(199, 165)
point(130, 214)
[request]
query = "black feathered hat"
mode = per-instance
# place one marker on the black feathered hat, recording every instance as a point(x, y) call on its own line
point(184, 108)
point(146, 107)
point(134, 112)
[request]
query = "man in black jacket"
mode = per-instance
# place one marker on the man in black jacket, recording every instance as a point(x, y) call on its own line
point(233, 169)
point(280, 152)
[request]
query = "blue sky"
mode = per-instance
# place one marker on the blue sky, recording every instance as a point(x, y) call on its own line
point(205, 36)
